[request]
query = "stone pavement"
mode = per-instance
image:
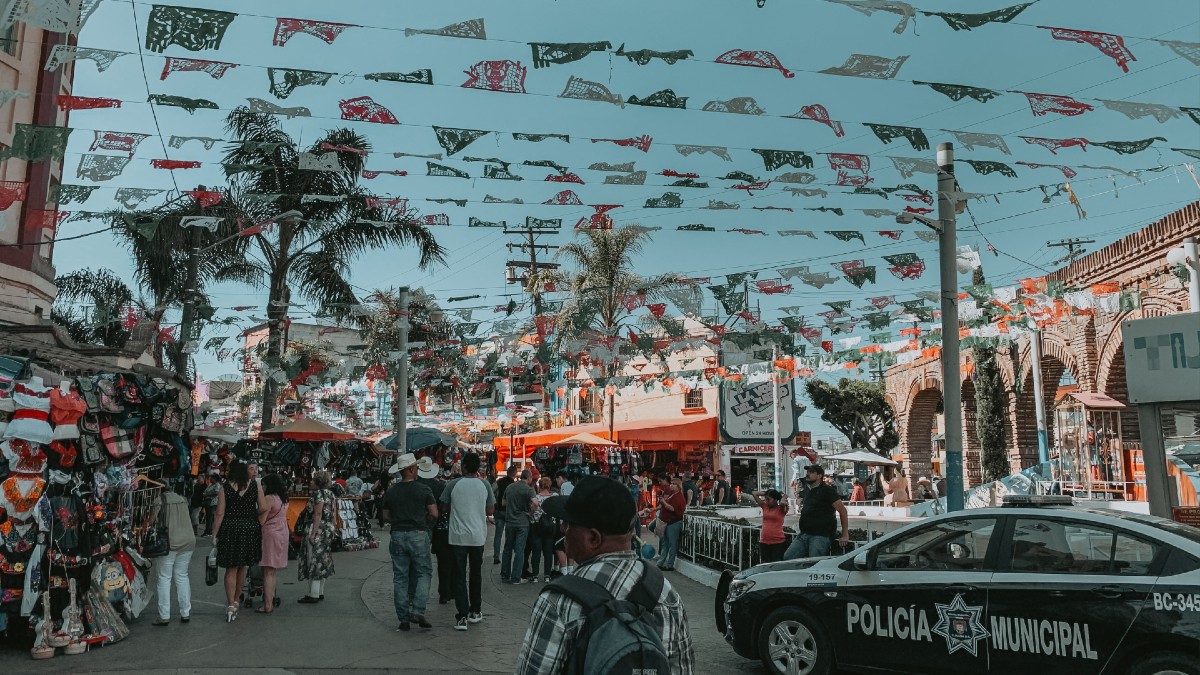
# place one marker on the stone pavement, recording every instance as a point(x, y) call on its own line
point(353, 629)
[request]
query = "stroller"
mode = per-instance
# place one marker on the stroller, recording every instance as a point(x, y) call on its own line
point(254, 587)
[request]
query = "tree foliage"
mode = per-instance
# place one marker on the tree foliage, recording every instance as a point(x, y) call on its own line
point(990, 417)
point(858, 409)
point(90, 304)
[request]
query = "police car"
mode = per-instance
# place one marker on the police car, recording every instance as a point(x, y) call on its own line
point(1000, 590)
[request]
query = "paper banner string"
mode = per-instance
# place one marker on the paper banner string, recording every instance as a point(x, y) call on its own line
point(72, 194)
point(1193, 113)
point(132, 198)
point(311, 161)
point(687, 150)
point(117, 141)
point(432, 169)
point(907, 166)
point(984, 167)
point(175, 64)
point(189, 104)
point(547, 53)
point(865, 65)
point(565, 198)
point(423, 76)
point(101, 168)
point(63, 54)
point(12, 192)
point(1042, 104)
point(207, 141)
point(754, 59)
point(904, 10)
point(472, 29)
point(173, 164)
point(669, 200)
point(632, 178)
point(1053, 144)
point(365, 109)
point(807, 192)
point(971, 139)
point(286, 80)
point(210, 223)
point(774, 159)
point(538, 138)
point(476, 222)
point(1133, 111)
point(643, 56)
point(189, 27)
point(1112, 46)
point(818, 113)
point(957, 92)
point(460, 203)
point(605, 166)
point(664, 98)
point(1128, 147)
point(590, 91)
point(33, 142)
point(205, 198)
point(888, 132)
point(9, 95)
point(905, 266)
point(640, 142)
point(56, 16)
point(741, 105)
point(67, 103)
point(326, 31)
point(959, 21)
point(1187, 50)
point(507, 76)
point(454, 140)
point(1066, 170)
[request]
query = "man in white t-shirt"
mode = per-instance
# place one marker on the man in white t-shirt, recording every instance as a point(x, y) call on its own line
point(471, 502)
point(564, 483)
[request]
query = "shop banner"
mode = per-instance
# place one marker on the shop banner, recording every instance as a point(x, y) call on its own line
point(746, 413)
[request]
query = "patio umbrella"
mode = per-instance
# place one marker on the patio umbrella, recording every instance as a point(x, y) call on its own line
point(419, 438)
point(216, 434)
point(584, 438)
point(868, 458)
point(306, 429)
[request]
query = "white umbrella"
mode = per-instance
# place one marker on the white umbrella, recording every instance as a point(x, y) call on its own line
point(864, 457)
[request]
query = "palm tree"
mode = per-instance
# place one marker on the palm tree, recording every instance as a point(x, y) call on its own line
point(106, 294)
point(334, 221)
point(603, 276)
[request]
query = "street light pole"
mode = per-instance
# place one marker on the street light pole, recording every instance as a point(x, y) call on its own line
point(951, 384)
point(1186, 255)
point(402, 377)
point(1039, 398)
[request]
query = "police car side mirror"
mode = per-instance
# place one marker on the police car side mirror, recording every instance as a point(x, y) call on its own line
point(860, 562)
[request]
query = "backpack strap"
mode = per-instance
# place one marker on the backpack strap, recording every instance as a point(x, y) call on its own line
point(591, 595)
point(648, 589)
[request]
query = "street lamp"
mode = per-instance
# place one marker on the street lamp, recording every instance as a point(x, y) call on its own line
point(1185, 254)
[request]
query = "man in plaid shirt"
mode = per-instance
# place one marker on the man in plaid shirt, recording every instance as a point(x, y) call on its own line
point(597, 522)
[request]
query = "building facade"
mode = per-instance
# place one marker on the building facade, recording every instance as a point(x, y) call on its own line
point(26, 262)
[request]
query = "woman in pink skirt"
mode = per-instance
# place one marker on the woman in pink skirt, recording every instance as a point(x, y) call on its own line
point(272, 515)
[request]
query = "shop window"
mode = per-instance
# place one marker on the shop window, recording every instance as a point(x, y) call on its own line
point(694, 398)
point(8, 41)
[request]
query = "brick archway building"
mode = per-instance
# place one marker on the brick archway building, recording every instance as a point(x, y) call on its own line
point(1088, 347)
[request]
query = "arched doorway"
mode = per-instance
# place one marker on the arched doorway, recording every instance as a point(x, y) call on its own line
point(919, 429)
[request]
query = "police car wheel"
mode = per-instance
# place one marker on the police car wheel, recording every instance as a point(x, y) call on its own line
point(1165, 663)
point(792, 642)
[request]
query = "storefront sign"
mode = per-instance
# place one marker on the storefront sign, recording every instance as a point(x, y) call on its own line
point(1188, 515)
point(758, 449)
point(746, 413)
point(1162, 358)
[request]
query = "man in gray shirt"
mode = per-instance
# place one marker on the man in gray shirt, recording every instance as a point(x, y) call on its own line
point(518, 500)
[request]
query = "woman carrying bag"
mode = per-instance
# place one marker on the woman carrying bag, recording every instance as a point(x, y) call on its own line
point(238, 539)
point(181, 539)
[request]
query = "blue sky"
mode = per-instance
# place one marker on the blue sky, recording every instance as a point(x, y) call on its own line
point(806, 37)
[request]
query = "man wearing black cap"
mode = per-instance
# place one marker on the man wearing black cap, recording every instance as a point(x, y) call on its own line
point(817, 522)
point(597, 521)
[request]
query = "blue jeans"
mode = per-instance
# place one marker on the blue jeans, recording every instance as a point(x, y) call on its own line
point(668, 543)
point(411, 572)
point(498, 538)
point(808, 546)
point(514, 552)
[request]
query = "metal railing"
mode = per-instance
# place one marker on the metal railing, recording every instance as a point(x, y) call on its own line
point(1095, 490)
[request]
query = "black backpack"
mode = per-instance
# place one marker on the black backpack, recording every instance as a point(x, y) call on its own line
point(618, 637)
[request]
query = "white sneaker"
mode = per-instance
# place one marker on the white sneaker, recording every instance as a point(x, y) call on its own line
point(461, 624)
point(475, 617)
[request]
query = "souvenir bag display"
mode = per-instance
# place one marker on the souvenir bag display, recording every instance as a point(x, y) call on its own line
point(109, 580)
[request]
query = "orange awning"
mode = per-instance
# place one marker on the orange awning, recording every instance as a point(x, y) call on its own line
point(537, 439)
point(668, 430)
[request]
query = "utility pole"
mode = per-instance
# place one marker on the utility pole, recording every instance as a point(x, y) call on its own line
point(402, 376)
point(778, 442)
point(1074, 248)
point(189, 296)
point(951, 382)
point(529, 244)
point(1039, 397)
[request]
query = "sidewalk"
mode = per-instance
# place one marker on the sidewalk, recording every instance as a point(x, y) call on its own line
point(353, 629)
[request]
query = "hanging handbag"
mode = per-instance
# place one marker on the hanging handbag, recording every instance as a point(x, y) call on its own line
point(210, 568)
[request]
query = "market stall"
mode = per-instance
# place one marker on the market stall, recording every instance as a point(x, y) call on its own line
point(1088, 456)
point(85, 462)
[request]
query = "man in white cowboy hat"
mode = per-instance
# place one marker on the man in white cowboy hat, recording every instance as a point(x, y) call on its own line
point(428, 474)
point(410, 508)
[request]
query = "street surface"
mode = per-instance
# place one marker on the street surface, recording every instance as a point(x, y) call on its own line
point(352, 630)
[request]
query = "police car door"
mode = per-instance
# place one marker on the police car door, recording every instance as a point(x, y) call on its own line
point(1067, 593)
point(920, 604)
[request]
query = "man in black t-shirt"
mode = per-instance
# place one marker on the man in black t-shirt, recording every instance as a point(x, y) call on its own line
point(501, 483)
point(722, 492)
point(817, 522)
